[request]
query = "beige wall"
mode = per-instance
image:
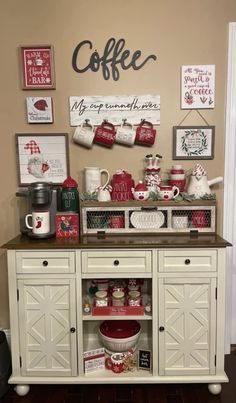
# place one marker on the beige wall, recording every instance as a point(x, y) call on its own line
point(178, 31)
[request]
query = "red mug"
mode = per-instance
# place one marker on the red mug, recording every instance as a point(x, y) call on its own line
point(105, 134)
point(115, 363)
point(199, 219)
point(116, 221)
point(145, 134)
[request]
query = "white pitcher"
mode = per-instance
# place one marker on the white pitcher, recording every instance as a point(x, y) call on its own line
point(93, 178)
point(200, 185)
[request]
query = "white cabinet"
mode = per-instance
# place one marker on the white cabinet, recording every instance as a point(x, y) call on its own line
point(184, 332)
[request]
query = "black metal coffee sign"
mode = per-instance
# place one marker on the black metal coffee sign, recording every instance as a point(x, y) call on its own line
point(114, 57)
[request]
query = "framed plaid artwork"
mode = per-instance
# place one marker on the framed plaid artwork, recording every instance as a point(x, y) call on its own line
point(42, 158)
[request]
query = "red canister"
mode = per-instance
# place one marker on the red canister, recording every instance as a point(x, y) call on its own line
point(122, 184)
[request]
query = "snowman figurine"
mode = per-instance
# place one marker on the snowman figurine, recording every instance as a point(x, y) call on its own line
point(140, 192)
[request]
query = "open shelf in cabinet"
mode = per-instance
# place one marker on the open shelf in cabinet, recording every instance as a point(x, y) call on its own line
point(91, 341)
point(148, 217)
point(142, 311)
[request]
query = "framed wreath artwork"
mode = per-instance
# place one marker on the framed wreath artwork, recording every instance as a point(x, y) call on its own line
point(193, 142)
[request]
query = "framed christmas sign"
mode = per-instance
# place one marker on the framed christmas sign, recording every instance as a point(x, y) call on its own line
point(198, 87)
point(39, 109)
point(193, 142)
point(37, 65)
point(42, 157)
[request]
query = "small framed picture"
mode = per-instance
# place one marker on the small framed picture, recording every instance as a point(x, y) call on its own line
point(193, 142)
point(42, 158)
point(144, 359)
point(67, 225)
point(37, 67)
point(198, 87)
point(39, 110)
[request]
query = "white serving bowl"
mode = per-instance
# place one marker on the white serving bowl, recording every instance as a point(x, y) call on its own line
point(120, 344)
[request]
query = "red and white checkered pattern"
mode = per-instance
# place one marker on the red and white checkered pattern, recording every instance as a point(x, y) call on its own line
point(33, 147)
point(199, 170)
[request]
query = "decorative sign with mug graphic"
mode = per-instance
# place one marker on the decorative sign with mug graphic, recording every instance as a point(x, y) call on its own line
point(95, 109)
point(114, 56)
point(37, 67)
point(198, 87)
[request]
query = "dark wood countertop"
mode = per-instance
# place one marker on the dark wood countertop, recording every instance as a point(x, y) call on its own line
point(120, 241)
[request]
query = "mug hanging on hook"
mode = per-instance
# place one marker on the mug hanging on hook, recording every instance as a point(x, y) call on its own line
point(105, 134)
point(84, 134)
point(125, 134)
point(145, 133)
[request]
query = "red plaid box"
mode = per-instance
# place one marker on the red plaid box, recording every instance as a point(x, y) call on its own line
point(67, 225)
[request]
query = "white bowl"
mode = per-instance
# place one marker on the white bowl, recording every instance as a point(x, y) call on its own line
point(119, 345)
point(177, 176)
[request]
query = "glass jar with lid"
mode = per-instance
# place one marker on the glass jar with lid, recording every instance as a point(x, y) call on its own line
point(118, 298)
point(134, 298)
point(101, 298)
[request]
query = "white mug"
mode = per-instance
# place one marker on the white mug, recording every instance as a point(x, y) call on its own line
point(125, 134)
point(93, 178)
point(180, 222)
point(40, 222)
point(84, 135)
point(104, 195)
point(167, 192)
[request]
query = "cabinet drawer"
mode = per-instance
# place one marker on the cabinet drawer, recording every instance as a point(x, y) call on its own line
point(188, 260)
point(116, 262)
point(45, 262)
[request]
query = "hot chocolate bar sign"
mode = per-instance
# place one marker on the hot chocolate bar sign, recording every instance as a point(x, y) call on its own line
point(114, 109)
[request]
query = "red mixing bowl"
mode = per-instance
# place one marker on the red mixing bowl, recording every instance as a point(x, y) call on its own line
point(119, 329)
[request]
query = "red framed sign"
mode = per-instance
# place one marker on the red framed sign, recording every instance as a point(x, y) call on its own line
point(37, 67)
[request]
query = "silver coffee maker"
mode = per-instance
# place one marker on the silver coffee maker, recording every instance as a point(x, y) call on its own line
point(39, 196)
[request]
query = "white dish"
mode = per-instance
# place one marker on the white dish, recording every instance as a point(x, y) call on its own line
point(147, 219)
point(119, 345)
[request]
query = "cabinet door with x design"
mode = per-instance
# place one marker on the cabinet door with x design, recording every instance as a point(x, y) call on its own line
point(47, 320)
point(187, 326)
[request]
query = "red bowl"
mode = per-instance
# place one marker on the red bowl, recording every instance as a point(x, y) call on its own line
point(119, 329)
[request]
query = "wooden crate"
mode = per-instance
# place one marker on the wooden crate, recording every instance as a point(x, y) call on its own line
point(148, 217)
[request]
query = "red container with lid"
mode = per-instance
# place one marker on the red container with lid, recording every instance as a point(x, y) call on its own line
point(122, 184)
